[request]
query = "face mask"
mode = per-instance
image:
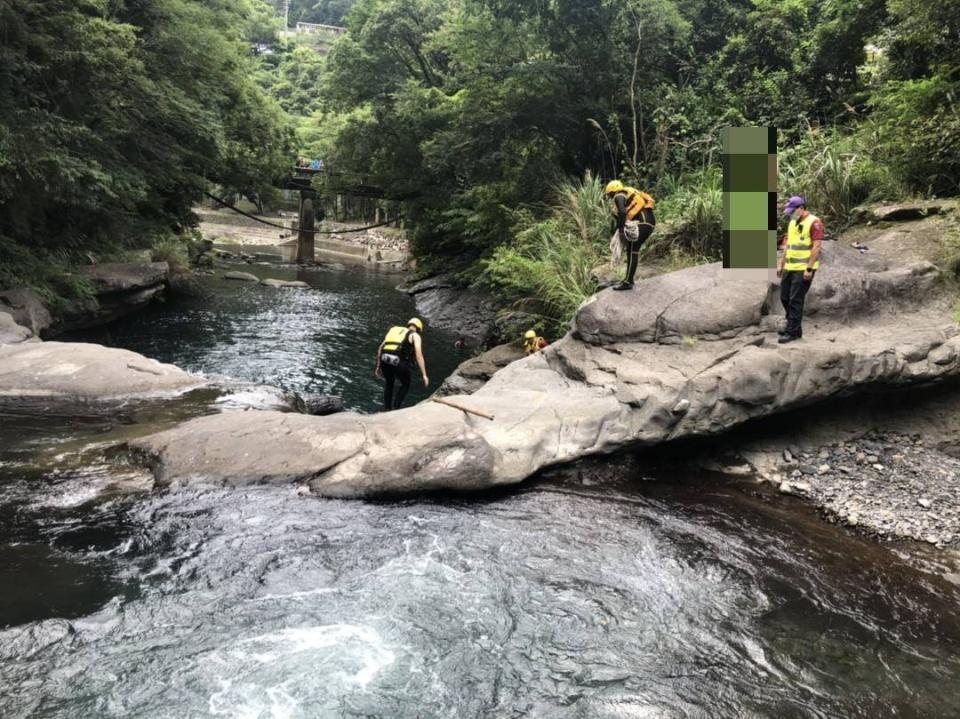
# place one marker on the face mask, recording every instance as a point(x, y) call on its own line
point(795, 216)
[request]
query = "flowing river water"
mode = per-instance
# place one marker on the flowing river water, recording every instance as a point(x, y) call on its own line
point(598, 590)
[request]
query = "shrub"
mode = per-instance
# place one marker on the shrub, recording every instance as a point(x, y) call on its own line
point(547, 270)
point(175, 251)
point(916, 129)
point(689, 216)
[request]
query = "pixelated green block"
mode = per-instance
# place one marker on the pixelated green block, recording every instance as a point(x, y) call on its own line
point(752, 249)
point(745, 211)
point(746, 173)
point(745, 140)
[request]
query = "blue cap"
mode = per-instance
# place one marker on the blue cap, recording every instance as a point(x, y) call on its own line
point(793, 203)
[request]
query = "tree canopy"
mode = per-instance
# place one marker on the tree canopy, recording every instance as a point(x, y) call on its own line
point(477, 107)
point(115, 114)
point(469, 113)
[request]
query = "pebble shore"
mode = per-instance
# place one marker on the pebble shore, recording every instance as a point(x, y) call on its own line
point(889, 485)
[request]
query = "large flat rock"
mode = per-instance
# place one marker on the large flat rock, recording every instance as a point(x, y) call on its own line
point(699, 301)
point(693, 353)
point(110, 277)
point(76, 371)
point(236, 447)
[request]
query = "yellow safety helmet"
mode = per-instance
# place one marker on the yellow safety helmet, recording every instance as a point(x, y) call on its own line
point(613, 187)
point(416, 323)
point(530, 335)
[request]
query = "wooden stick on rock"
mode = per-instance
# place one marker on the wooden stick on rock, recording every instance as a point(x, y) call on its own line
point(468, 410)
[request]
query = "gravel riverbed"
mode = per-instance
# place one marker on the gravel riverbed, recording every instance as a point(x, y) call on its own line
point(890, 485)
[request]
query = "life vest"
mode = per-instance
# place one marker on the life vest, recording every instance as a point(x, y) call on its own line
point(397, 342)
point(799, 245)
point(534, 344)
point(636, 202)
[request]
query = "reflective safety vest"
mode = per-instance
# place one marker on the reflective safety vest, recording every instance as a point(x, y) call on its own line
point(534, 345)
point(397, 342)
point(636, 201)
point(799, 245)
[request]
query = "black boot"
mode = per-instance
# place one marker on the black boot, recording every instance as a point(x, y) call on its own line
point(623, 286)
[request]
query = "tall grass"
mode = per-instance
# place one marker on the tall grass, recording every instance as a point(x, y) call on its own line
point(689, 216)
point(835, 173)
point(175, 251)
point(547, 270)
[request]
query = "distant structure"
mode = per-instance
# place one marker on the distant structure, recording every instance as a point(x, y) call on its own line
point(312, 28)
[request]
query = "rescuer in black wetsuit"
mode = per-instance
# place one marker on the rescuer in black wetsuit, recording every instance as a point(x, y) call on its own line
point(635, 223)
point(394, 361)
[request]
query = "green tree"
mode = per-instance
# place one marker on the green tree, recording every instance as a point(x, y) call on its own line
point(114, 116)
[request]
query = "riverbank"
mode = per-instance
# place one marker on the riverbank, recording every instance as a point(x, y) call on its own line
point(900, 482)
point(890, 485)
point(112, 290)
point(379, 248)
point(639, 369)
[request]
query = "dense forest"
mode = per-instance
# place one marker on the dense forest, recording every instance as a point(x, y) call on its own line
point(115, 115)
point(488, 123)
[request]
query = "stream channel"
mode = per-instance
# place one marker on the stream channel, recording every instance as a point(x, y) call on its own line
point(598, 590)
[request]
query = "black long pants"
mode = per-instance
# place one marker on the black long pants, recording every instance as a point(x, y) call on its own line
point(391, 374)
point(646, 223)
point(793, 291)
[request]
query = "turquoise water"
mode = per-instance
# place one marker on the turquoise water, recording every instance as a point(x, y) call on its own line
point(322, 340)
point(597, 591)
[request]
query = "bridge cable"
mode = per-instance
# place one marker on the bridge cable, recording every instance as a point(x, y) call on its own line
point(312, 232)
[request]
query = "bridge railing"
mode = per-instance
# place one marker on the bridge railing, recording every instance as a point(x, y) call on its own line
point(312, 28)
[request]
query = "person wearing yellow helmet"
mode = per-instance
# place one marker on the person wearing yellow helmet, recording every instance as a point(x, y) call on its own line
point(395, 356)
point(533, 343)
point(633, 210)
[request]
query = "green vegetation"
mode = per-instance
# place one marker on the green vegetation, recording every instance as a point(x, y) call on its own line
point(548, 269)
point(489, 123)
point(478, 112)
point(114, 116)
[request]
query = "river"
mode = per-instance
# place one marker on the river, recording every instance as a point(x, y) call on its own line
point(600, 590)
point(320, 341)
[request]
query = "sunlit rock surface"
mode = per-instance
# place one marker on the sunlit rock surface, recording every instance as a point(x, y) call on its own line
point(690, 353)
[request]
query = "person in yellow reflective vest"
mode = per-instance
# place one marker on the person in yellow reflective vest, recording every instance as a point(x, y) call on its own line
point(394, 359)
point(633, 210)
point(532, 342)
point(798, 264)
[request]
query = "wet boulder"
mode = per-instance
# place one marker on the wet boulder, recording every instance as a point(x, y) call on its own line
point(292, 284)
point(320, 404)
point(27, 308)
point(10, 332)
point(53, 372)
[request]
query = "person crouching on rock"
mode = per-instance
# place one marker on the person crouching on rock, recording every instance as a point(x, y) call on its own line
point(798, 264)
point(533, 343)
point(635, 223)
point(394, 360)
